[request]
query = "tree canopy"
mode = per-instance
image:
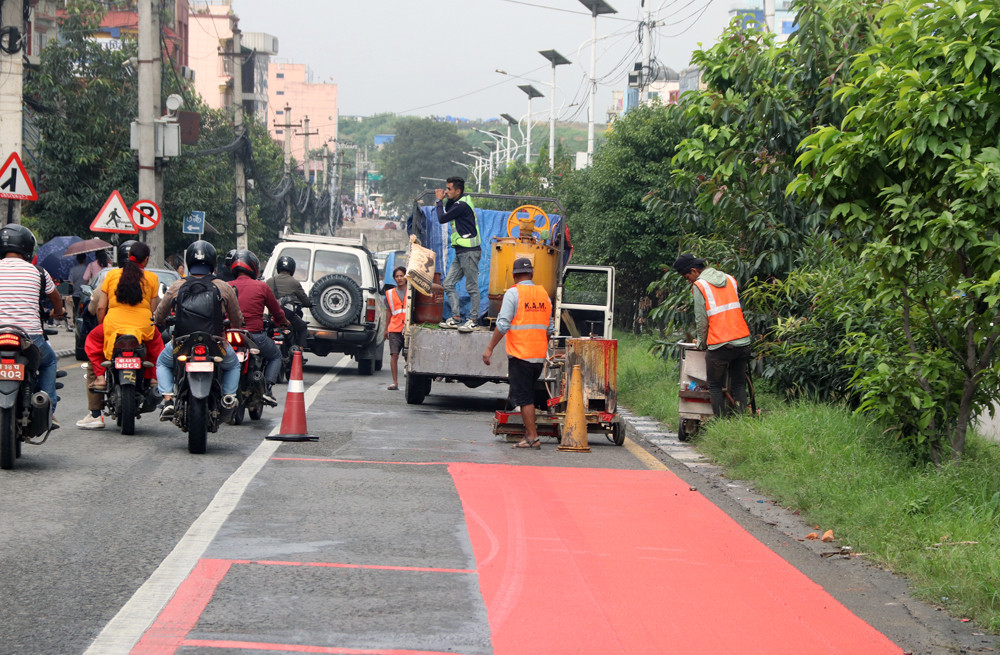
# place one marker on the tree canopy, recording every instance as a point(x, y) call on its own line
point(422, 148)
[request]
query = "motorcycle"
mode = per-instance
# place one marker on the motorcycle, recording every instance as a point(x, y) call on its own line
point(128, 393)
point(24, 415)
point(253, 386)
point(198, 403)
point(283, 337)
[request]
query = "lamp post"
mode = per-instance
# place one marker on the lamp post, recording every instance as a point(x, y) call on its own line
point(510, 121)
point(557, 60)
point(531, 92)
point(596, 8)
point(497, 137)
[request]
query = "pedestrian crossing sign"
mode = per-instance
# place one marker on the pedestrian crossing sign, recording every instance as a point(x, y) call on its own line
point(114, 216)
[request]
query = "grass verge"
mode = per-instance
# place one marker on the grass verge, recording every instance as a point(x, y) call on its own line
point(939, 527)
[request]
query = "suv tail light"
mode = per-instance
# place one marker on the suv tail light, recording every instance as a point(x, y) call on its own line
point(370, 312)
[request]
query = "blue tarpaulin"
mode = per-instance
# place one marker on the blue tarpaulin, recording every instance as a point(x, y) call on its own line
point(492, 223)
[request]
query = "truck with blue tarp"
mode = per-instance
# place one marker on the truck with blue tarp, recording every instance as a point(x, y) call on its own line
point(533, 227)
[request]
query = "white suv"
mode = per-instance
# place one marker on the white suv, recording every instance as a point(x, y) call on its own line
point(348, 313)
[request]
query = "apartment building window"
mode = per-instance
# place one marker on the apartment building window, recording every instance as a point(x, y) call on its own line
point(280, 76)
point(280, 112)
point(279, 131)
point(281, 93)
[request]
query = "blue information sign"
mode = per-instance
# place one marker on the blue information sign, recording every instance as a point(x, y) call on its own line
point(194, 223)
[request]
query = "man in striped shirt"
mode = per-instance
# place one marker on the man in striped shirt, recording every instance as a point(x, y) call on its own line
point(21, 287)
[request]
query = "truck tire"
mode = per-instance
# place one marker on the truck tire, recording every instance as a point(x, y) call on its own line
point(417, 388)
point(336, 301)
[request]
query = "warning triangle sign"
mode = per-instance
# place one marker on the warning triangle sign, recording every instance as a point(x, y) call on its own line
point(114, 216)
point(14, 181)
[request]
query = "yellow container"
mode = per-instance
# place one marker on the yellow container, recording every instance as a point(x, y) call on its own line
point(544, 259)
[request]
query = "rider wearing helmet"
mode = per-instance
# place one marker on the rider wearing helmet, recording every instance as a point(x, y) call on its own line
point(284, 285)
point(225, 272)
point(200, 258)
point(22, 287)
point(255, 296)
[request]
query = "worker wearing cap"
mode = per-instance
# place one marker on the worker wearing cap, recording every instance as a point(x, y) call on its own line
point(526, 319)
point(721, 328)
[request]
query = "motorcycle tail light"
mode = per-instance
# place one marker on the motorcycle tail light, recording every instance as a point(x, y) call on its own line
point(130, 353)
point(370, 312)
point(10, 340)
point(200, 350)
point(234, 338)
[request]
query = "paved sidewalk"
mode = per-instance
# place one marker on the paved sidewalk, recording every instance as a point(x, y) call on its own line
point(64, 343)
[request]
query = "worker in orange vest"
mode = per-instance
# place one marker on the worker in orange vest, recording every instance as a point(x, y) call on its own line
point(526, 319)
point(396, 299)
point(721, 329)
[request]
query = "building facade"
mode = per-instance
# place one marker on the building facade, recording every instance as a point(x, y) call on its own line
point(293, 97)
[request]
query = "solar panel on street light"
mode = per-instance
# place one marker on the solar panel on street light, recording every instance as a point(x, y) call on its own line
point(531, 91)
point(598, 7)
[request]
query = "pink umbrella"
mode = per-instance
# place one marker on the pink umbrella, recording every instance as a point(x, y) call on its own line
point(90, 245)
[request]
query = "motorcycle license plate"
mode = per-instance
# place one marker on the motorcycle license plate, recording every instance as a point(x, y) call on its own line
point(199, 367)
point(128, 363)
point(10, 371)
point(242, 355)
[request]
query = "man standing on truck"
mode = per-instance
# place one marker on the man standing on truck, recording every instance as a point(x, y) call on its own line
point(721, 329)
point(526, 313)
point(466, 241)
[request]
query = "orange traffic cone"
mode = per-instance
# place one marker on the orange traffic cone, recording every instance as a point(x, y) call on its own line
point(574, 427)
point(293, 421)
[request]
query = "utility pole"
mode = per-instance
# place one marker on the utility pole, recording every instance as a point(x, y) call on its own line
point(647, 53)
point(11, 97)
point(288, 159)
point(306, 163)
point(150, 178)
point(242, 238)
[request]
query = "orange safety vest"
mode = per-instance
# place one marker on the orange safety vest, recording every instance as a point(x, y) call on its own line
point(725, 315)
point(528, 337)
point(397, 310)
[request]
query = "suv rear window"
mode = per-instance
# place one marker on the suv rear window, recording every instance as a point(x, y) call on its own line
point(344, 263)
point(301, 257)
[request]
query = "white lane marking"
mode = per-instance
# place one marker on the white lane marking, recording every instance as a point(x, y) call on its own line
point(123, 632)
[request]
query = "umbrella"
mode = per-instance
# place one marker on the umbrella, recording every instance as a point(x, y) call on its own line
point(55, 246)
point(90, 245)
point(57, 266)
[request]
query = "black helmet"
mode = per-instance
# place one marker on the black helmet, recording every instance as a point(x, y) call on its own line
point(17, 238)
point(200, 253)
point(285, 265)
point(227, 262)
point(123, 251)
point(245, 262)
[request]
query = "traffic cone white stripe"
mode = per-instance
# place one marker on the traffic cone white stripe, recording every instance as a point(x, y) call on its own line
point(296, 386)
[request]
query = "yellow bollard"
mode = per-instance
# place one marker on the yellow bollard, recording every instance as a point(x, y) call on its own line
point(574, 427)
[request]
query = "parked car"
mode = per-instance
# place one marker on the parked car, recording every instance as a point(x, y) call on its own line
point(341, 278)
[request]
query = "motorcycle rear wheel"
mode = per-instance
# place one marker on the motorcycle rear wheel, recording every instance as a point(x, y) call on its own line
point(197, 425)
point(127, 410)
point(8, 439)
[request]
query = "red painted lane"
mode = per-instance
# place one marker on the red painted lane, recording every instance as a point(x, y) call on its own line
point(606, 561)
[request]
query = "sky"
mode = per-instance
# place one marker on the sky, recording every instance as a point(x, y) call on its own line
point(440, 57)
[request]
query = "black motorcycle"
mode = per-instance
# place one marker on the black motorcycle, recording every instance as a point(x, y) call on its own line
point(283, 336)
point(253, 386)
point(198, 407)
point(24, 414)
point(127, 391)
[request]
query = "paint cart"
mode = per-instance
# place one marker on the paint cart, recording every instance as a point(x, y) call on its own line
point(694, 405)
point(598, 361)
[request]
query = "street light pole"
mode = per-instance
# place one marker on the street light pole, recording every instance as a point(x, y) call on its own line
point(510, 122)
point(531, 92)
point(557, 60)
point(596, 8)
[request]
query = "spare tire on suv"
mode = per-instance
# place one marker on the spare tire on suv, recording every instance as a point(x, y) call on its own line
point(336, 301)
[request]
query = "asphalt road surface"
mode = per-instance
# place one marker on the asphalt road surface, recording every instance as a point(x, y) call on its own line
point(411, 530)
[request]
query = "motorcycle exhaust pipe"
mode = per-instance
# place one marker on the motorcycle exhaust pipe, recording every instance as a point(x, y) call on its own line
point(40, 419)
point(258, 381)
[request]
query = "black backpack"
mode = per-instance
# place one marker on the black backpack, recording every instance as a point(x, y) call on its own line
point(199, 307)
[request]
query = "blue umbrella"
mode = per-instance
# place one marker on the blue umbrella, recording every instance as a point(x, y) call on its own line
point(50, 256)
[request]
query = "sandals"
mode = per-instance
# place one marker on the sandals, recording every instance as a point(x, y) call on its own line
point(392, 387)
point(535, 445)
